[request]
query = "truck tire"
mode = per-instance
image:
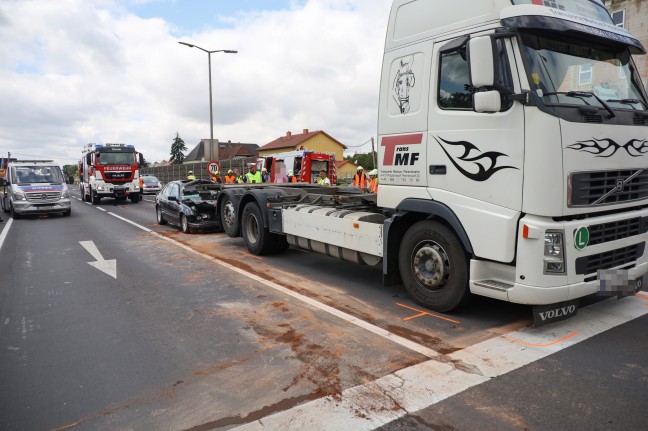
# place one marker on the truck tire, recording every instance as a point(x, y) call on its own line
point(434, 266)
point(160, 217)
point(95, 197)
point(228, 218)
point(258, 240)
point(134, 198)
point(184, 224)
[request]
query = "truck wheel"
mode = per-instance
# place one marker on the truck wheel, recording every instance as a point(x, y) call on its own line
point(135, 198)
point(95, 198)
point(258, 239)
point(184, 224)
point(434, 266)
point(228, 218)
point(160, 218)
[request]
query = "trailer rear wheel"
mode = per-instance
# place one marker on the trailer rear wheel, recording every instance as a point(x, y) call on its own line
point(228, 218)
point(258, 239)
point(434, 266)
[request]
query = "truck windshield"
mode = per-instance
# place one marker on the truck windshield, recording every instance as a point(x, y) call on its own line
point(579, 73)
point(37, 174)
point(116, 158)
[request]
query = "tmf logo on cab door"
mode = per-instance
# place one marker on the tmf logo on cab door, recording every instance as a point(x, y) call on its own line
point(397, 151)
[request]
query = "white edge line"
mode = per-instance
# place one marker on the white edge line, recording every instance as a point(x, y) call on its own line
point(5, 232)
point(101, 209)
point(425, 351)
point(420, 386)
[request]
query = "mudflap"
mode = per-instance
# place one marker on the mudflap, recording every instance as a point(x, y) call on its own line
point(550, 313)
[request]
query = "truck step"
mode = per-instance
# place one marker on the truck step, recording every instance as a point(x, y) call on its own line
point(493, 284)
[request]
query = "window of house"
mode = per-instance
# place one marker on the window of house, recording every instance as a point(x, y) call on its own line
point(585, 74)
point(619, 18)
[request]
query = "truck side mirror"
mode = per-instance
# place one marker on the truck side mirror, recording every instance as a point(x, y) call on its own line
point(481, 59)
point(89, 159)
point(141, 159)
point(487, 101)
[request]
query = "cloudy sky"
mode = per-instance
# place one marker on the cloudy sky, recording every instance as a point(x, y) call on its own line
point(79, 71)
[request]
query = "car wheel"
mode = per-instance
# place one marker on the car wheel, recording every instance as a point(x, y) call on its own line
point(160, 217)
point(228, 218)
point(14, 214)
point(434, 266)
point(184, 224)
point(67, 213)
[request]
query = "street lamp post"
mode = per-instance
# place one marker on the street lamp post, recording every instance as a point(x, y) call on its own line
point(211, 114)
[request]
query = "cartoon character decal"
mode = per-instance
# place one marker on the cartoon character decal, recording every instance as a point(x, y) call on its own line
point(403, 83)
point(607, 147)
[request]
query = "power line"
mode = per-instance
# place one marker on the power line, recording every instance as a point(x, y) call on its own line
point(356, 146)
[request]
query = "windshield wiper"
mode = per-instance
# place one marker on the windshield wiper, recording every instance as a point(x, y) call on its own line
point(586, 94)
point(629, 102)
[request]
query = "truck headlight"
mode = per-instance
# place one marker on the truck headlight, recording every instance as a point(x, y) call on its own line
point(100, 188)
point(554, 252)
point(19, 196)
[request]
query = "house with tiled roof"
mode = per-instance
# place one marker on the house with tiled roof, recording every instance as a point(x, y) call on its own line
point(203, 152)
point(317, 140)
point(345, 169)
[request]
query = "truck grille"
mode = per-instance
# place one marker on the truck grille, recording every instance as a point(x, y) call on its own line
point(606, 232)
point(43, 197)
point(120, 176)
point(609, 259)
point(589, 187)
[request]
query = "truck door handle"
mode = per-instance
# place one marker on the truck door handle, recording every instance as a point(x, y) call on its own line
point(438, 169)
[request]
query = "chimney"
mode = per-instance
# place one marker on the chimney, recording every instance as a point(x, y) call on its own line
point(229, 143)
point(288, 134)
point(305, 131)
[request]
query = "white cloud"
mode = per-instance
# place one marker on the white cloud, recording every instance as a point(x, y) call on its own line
point(76, 71)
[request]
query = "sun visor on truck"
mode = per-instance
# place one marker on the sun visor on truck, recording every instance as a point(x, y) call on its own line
point(569, 24)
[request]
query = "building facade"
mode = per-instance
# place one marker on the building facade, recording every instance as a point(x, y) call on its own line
point(318, 141)
point(633, 16)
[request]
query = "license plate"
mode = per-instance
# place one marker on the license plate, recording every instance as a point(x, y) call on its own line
point(619, 282)
point(47, 208)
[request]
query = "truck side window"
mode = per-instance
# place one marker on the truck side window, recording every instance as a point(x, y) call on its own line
point(454, 90)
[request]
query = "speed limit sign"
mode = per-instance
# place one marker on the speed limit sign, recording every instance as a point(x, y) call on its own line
point(213, 168)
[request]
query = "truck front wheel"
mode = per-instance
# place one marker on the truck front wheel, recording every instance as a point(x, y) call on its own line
point(95, 197)
point(434, 266)
point(134, 198)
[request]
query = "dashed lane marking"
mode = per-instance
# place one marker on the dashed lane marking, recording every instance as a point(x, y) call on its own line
point(5, 232)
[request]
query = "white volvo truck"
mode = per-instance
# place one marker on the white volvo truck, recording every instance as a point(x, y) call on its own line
point(512, 161)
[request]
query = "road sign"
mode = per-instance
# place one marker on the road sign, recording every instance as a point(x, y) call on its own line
point(213, 167)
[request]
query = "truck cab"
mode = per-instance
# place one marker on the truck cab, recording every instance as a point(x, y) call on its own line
point(34, 188)
point(520, 127)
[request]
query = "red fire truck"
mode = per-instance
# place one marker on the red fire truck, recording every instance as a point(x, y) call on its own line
point(305, 164)
point(110, 170)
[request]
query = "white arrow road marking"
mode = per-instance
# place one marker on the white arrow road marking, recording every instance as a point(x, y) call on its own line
point(107, 266)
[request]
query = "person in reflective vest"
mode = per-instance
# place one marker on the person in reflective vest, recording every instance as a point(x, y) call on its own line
point(191, 176)
point(217, 178)
point(254, 176)
point(291, 177)
point(240, 179)
point(323, 179)
point(360, 179)
point(373, 184)
point(230, 178)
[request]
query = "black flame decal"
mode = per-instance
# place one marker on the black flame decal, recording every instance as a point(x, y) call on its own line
point(482, 173)
point(607, 147)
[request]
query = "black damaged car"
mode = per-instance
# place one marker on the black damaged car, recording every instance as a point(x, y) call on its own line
point(191, 205)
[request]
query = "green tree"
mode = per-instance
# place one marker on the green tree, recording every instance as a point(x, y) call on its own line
point(70, 170)
point(177, 148)
point(364, 160)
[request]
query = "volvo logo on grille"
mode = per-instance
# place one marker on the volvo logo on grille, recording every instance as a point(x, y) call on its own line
point(619, 186)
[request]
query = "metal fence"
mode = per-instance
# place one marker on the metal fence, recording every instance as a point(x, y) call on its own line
point(180, 172)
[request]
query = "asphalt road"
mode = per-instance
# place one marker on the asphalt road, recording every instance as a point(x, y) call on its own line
point(195, 333)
